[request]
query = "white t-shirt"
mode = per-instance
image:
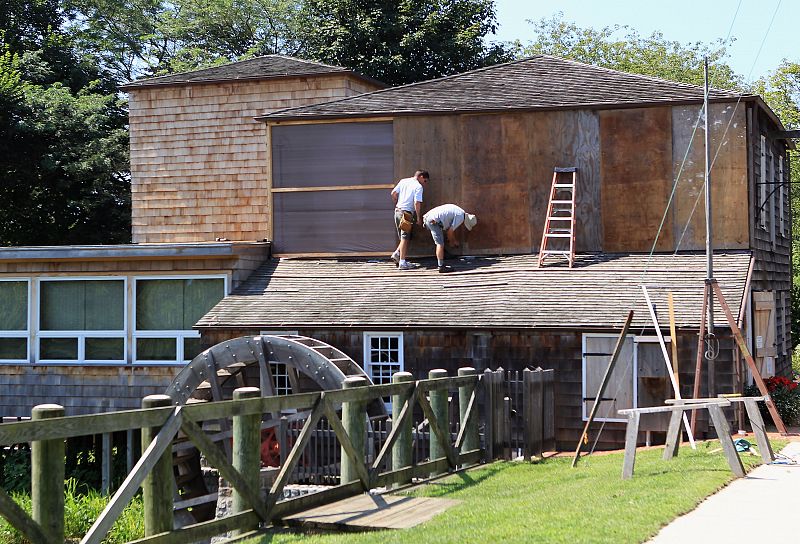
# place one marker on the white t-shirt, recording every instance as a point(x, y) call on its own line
point(449, 215)
point(409, 191)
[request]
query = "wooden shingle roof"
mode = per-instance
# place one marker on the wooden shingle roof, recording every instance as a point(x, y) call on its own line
point(540, 82)
point(259, 68)
point(483, 293)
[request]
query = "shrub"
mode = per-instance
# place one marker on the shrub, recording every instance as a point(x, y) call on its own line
point(786, 396)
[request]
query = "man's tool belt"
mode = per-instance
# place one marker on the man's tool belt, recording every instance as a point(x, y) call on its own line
point(406, 222)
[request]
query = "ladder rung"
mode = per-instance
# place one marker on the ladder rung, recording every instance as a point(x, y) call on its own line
point(558, 235)
point(551, 252)
point(563, 186)
point(553, 230)
point(561, 218)
point(561, 202)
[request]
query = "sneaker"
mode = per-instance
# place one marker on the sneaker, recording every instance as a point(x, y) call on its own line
point(405, 266)
point(445, 269)
point(395, 259)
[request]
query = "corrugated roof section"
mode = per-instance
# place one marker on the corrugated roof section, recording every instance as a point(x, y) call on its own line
point(266, 67)
point(484, 292)
point(541, 82)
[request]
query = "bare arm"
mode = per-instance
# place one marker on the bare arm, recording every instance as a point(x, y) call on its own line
point(451, 237)
point(418, 209)
point(394, 198)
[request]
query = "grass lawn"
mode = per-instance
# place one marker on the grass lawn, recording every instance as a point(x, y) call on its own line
point(552, 502)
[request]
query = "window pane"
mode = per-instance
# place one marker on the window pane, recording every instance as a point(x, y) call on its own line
point(59, 348)
point(191, 348)
point(13, 305)
point(156, 349)
point(105, 305)
point(62, 305)
point(82, 305)
point(159, 305)
point(13, 348)
point(105, 349)
point(199, 296)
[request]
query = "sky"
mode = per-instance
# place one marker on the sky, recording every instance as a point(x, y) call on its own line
point(685, 21)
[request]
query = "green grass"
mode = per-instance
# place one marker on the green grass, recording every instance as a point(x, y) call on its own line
point(80, 512)
point(552, 502)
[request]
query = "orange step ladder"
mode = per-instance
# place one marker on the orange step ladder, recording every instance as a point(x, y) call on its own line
point(559, 227)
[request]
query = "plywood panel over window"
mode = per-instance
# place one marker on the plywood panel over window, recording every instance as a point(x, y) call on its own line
point(636, 169)
point(331, 188)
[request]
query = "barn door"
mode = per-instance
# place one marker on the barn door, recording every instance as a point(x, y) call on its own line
point(654, 385)
point(764, 331)
point(620, 392)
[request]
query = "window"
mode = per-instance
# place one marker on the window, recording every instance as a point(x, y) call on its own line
point(165, 311)
point(639, 379)
point(383, 355)
point(82, 321)
point(14, 319)
point(761, 206)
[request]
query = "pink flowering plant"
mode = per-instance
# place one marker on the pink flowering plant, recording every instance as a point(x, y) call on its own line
point(786, 396)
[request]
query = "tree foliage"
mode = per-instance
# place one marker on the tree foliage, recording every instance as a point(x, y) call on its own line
point(63, 138)
point(623, 48)
point(402, 41)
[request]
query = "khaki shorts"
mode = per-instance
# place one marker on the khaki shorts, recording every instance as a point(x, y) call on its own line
point(398, 215)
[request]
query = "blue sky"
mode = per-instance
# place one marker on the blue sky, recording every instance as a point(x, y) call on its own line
point(686, 21)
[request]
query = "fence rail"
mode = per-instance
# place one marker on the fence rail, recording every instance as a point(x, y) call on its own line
point(331, 443)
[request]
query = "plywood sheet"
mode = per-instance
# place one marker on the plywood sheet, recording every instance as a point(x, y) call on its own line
point(729, 193)
point(636, 173)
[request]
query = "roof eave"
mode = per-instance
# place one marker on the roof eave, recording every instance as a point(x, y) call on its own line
point(277, 119)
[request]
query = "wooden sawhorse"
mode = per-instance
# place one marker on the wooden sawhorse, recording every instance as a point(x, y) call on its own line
point(714, 407)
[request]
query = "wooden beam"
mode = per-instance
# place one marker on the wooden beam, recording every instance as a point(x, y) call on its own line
point(331, 188)
point(19, 519)
point(784, 134)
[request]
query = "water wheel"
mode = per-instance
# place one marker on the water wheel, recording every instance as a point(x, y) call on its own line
point(276, 364)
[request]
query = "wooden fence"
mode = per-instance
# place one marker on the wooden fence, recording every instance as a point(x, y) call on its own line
point(390, 462)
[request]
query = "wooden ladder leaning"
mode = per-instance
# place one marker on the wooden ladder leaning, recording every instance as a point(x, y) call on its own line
point(560, 222)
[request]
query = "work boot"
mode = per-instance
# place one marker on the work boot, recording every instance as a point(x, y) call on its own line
point(445, 269)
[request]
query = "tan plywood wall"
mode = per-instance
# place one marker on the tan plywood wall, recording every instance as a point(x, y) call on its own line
point(729, 193)
point(500, 168)
point(199, 160)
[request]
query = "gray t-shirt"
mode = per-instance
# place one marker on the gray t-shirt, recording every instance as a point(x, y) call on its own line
point(449, 215)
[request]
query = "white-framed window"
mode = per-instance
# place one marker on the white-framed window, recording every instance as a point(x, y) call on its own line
point(761, 207)
point(782, 191)
point(15, 319)
point(281, 382)
point(641, 360)
point(165, 308)
point(383, 355)
point(81, 320)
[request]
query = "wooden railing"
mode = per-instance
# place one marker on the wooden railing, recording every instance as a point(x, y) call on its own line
point(160, 422)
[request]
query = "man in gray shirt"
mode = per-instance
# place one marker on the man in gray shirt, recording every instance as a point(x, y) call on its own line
point(444, 220)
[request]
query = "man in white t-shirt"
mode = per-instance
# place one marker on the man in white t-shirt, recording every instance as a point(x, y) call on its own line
point(407, 197)
point(445, 219)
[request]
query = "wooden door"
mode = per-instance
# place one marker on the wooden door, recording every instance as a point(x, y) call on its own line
point(764, 331)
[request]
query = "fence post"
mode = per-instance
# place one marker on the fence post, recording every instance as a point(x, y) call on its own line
point(401, 451)
point(548, 410)
point(507, 455)
point(353, 419)
point(488, 402)
point(471, 439)
point(157, 486)
point(47, 477)
point(438, 400)
point(246, 449)
point(106, 464)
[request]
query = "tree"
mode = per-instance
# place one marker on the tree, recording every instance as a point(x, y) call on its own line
point(623, 48)
point(63, 138)
point(141, 38)
point(402, 42)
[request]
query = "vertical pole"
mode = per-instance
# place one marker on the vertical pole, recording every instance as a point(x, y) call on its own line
point(471, 439)
point(130, 452)
point(488, 401)
point(439, 406)
point(106, 463)
point(401, 451)
point(507, 428)
point(47, 478)
point(157, 486)
point(246, 449)
point(698, 367)
point(353, 419)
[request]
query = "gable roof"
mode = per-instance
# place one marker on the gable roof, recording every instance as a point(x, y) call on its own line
point(259, 68)
point(483, 293)
point(540, 82)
